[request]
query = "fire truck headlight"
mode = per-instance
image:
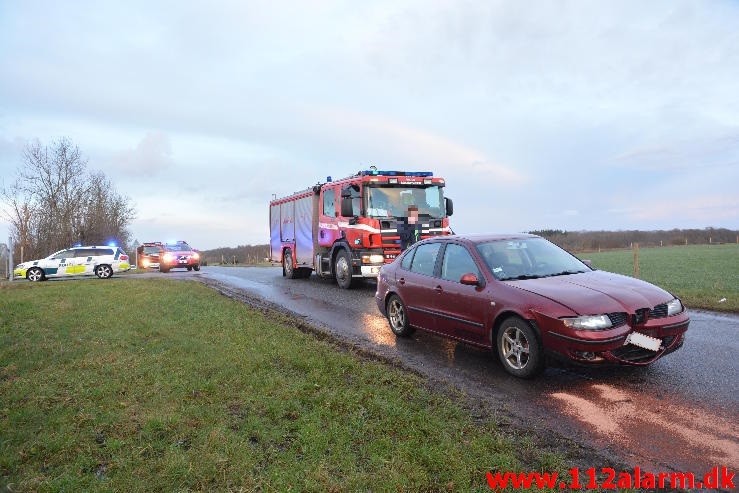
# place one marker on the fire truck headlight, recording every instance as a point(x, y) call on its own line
point(373, 259)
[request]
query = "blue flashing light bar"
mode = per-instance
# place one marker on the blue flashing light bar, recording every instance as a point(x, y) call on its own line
point(395, 173)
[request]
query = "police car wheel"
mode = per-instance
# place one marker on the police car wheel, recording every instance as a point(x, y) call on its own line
point(35, 274)
point(103, 271)
point(196, 267)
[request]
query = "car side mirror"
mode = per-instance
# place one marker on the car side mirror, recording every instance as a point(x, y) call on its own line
point(469, 279)
point(589, 263)
point(449, 206)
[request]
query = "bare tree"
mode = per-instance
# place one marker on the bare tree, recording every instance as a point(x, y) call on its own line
point(55, 202)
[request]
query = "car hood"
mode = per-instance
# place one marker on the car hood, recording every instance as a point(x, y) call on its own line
point(28, 263)
point(596, 292)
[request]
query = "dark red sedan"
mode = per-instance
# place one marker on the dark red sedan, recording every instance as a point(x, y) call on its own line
point(528, 298)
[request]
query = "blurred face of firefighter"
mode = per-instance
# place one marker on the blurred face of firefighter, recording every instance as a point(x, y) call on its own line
point(412, 215)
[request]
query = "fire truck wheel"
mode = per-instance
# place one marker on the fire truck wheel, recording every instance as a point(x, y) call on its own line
point(343, 270)
point(287, 265)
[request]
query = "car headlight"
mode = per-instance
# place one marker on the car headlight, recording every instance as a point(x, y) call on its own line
point(674, 307)
point(588, 322)
point(373, 259)
point(168, 257)
point(195, 256)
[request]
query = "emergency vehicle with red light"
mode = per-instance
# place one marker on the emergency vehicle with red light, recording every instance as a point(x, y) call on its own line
point(347, 229)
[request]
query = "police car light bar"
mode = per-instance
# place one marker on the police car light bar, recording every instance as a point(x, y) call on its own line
point(395, 173)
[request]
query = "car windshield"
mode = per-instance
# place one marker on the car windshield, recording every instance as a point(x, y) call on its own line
point(151, 249)
point(528, 258)
point(179, 247)
point(394, 200)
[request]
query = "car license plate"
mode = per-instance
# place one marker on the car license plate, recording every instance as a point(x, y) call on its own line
point(643, 341)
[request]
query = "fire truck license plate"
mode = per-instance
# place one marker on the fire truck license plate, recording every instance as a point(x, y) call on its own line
point(644, 341)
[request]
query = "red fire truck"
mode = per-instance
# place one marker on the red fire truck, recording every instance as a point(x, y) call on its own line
point(347, 229)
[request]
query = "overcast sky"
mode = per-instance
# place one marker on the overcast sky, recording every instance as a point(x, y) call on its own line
point(575, 115)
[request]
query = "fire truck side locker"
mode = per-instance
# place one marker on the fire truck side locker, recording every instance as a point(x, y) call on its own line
point(291, 226)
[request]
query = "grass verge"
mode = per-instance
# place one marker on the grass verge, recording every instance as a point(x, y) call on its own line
point(133, 385)
point(701, 275)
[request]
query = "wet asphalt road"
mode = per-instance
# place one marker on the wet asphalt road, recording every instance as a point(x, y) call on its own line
point(680, 414)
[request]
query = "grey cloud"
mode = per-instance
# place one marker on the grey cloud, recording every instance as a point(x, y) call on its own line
point(151, 157)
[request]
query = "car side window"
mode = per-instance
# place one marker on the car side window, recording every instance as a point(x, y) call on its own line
point(424, 259)
point(457, 262)
point(407, 259)
point(64, 254)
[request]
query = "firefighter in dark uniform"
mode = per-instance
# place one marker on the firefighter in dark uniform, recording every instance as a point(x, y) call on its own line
point(409, 229)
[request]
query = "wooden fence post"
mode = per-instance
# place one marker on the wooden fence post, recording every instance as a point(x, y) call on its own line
point(636, 260)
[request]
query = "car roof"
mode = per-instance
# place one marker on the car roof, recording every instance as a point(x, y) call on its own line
point(483, 237)
point(76, 247)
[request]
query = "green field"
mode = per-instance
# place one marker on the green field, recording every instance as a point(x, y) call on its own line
point(700, 275)
point(157, 385)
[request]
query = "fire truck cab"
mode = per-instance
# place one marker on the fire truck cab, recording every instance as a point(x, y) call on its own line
point(347, 229)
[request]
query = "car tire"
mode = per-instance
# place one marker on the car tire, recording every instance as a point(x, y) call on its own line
point(519, 348)
point(34, 274)
point(287, 265)
point(189, 269)
point(397, 315)
point(103, 271)
point(343, 270)
point(196, 268)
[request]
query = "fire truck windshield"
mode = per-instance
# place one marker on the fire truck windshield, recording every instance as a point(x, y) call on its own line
point(394, 200)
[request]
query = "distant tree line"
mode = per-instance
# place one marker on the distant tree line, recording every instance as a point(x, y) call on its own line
point(573, 241)
point(55, 202)
point(588, 241)
point(242, 254)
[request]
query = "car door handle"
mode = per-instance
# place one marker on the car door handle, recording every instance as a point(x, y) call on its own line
point(401, 280)
point(438, 289)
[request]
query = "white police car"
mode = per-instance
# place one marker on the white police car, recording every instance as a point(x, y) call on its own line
point(102, 261)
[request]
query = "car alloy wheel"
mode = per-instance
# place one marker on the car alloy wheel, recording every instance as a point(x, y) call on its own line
point(519, 348)
point(35, 274)
point(103, 271)
point(398, 317)
point(515, 348)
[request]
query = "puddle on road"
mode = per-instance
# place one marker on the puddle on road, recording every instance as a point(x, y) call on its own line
point(677, 434)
